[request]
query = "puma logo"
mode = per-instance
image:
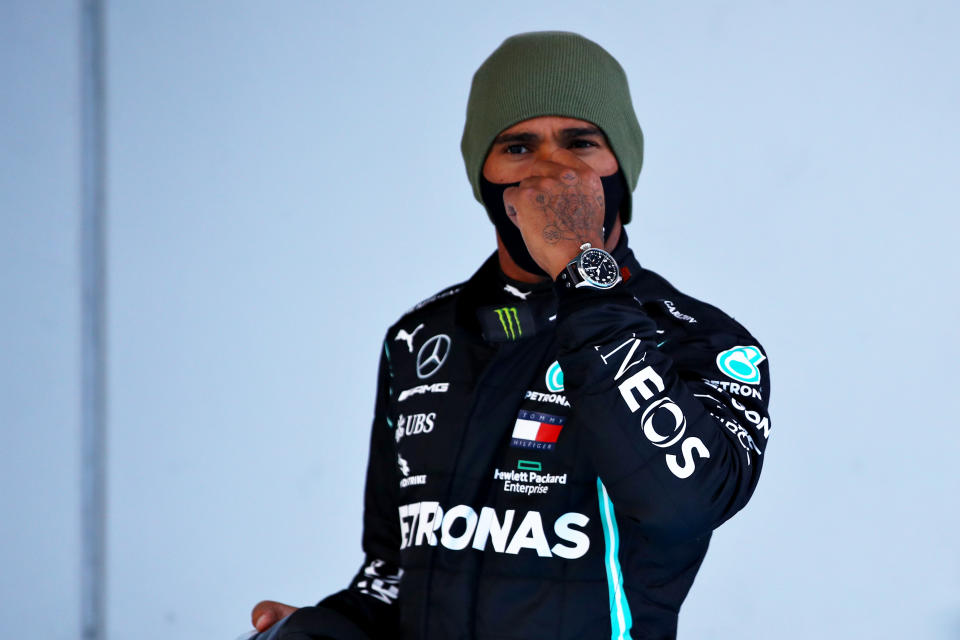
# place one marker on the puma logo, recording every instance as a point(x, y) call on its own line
point(408, 337)
point(509, 288)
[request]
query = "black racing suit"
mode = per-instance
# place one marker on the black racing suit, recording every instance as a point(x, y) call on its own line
point(549, 463)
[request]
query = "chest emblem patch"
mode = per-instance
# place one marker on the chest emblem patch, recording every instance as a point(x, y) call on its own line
point(535, 430)
point(554, 378)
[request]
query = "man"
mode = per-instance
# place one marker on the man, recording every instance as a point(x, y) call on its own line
point(555, 439)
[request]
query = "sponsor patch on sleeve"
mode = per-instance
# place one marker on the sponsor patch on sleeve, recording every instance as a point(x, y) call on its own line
point(742, 363)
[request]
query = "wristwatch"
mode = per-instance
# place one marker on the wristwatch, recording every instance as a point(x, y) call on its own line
point(594, 268)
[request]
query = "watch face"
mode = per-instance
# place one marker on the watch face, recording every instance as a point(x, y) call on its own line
point(599, 267)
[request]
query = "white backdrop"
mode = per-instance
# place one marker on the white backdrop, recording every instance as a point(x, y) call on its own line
point(800, 174)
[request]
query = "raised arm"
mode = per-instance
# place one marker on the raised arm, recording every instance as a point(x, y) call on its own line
point(677, 430)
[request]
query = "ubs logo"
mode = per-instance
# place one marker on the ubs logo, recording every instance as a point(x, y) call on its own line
point(432, 355)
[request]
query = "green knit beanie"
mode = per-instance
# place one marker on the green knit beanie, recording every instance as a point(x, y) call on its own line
point(551, 73)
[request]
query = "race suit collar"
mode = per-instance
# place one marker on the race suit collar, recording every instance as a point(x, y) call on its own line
point(493, 308)
point(629, 266)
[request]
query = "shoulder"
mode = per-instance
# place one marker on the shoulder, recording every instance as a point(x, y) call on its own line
point(440, 308)
point(430, 303)
point(432, 306)
point(418, 344)
point(434, 310)
point(669, 306)
point(704, 341)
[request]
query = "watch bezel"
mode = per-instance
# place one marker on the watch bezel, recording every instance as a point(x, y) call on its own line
point(587, 279)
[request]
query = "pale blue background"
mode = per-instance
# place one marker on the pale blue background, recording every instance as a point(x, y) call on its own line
point(801, 173)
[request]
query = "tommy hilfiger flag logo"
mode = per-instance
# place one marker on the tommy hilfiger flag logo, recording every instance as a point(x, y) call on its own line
point(535, 430)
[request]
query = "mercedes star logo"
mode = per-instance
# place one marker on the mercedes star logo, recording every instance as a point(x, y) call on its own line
point(432, 355)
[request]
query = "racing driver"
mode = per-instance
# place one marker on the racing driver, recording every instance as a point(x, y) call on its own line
point(556, 438)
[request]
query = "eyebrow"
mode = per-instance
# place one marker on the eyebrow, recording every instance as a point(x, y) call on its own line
point(516, 137)
point(565, 134)
point(578, 132)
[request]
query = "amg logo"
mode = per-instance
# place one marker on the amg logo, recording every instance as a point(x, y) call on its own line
point(461, 527)
point(436, 387)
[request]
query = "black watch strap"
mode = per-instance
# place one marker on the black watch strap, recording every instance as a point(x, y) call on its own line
point(569, 278)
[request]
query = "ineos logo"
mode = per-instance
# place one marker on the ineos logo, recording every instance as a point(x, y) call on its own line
point(648, 383)
point(680, 423)
point(432, 355)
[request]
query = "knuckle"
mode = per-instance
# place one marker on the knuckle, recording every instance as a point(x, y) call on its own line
point(529, 192)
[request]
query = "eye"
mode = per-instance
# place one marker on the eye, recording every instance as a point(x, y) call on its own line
point(583, 144)
point(515, 149)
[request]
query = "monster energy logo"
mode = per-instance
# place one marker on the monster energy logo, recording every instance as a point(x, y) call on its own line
point(509, 321)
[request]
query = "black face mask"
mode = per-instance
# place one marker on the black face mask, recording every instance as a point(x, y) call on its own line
point(614, 190)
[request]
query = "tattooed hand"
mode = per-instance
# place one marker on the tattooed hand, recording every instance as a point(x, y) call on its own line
point(558, 208)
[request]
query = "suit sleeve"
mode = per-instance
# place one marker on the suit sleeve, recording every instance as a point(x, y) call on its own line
point(676, 430)
point(369, 607)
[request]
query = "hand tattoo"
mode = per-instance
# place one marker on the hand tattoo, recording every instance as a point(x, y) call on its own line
point(573, 210)
point(552, 234)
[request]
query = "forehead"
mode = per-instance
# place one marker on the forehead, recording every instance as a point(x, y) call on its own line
point(547, 125)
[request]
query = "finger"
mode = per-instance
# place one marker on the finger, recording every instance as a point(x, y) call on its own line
point(575, 171)
point(570, 159)
point(509, 203)
point(559, 164)
point(262, 616)
point(264, 622)
point(268, 612)
point(545, 174)
point(553, 170)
